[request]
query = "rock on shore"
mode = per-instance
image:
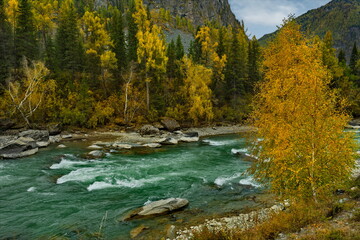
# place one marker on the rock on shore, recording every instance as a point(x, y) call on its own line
point(158, 208)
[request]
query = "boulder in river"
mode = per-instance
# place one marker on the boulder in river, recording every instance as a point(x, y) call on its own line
point(190, 137)
point(149, 130)
point(152, 145)
point(170, 124)
point(95, 154)
point(94, 147)
point(158, 208)
point(13, 147)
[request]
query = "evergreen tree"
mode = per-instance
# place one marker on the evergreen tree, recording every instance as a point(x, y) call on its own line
point(342, 57)
point(118, 37)
point(132, 31)
point(195, 52)
point(221, 47)
point(234, 70)
point(5, 47)
point(253, 62)
point(354, 58)
point(25, 34)
point(179, 48)
point(171, 64)
point(68, 45)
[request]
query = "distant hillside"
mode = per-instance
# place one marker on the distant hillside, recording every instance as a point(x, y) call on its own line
point(198, 11)
point(341, 17)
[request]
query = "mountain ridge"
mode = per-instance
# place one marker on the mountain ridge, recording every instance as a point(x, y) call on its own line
point(341, 17)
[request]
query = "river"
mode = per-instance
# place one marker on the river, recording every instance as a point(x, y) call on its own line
point(57, 193)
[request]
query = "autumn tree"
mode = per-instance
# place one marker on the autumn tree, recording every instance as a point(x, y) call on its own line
point(151, 50)
point(303, 151)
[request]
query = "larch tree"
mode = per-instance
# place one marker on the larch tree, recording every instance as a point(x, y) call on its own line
point(301, 147)
point(151, 50)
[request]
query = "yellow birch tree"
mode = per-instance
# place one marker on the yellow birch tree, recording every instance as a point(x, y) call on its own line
point(303, 151)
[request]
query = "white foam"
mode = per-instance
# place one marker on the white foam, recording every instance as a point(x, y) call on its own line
point(147, 202)
point(65, 164)
point(80, 175)
point(31, 189)
point(218, 143)
point(220, 181)
point(237, 151)
point(100, 185)
point(250, 181)
point(135, 183)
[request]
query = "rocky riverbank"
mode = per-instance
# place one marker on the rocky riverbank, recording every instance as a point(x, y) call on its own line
point(17, 144)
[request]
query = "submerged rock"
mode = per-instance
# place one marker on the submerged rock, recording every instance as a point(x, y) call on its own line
point(158, 208)
point(96, 154)
point(136, 231)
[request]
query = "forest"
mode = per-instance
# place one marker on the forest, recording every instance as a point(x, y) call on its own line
point(86, 65)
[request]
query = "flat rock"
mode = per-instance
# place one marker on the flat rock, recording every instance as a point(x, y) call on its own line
point(157, 208)
point(170, 141)
point(152, 145)
point(189, 139)
point(43, 144)
point(163, 206)
point(122, 146)
point(20, 154)
point(66, 136)
point(94, 147)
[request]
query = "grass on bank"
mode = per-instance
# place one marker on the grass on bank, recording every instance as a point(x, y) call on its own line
point(315, 221)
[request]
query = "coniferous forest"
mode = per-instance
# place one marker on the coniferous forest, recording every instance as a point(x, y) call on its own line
point(87, 65)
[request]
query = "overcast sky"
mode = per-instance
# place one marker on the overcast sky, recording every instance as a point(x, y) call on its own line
point(262, 16)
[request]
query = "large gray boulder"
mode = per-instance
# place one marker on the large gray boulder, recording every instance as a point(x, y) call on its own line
point(13, 147)
point(37, 135)
point(170, 124)
point(149, 130)
point(158, 208)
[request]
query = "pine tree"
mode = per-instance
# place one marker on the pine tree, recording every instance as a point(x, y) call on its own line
point(132, 31)
point(68, 45)
point(171, 64)
point(304, 152)
point(179, 48)
point(221, 47)
point(235, 70)
point(354, 58)
point(118, 37)
point(253, 63)
point(25, 34)
point(342, 57)
point(5, 47)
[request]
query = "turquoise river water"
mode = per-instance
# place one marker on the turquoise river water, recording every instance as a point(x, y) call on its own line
point(58, 194)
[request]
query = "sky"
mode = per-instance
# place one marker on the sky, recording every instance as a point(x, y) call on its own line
point(262, 16)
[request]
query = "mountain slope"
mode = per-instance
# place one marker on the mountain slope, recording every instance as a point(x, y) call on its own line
point(341, 17)
point(198, 11)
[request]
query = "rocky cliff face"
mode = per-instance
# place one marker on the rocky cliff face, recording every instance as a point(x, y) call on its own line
point(199, 11)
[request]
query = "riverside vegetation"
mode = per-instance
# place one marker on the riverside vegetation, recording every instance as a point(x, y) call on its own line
point(73, 63)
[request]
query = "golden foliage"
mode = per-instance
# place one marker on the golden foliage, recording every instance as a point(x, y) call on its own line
point(303, 150)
